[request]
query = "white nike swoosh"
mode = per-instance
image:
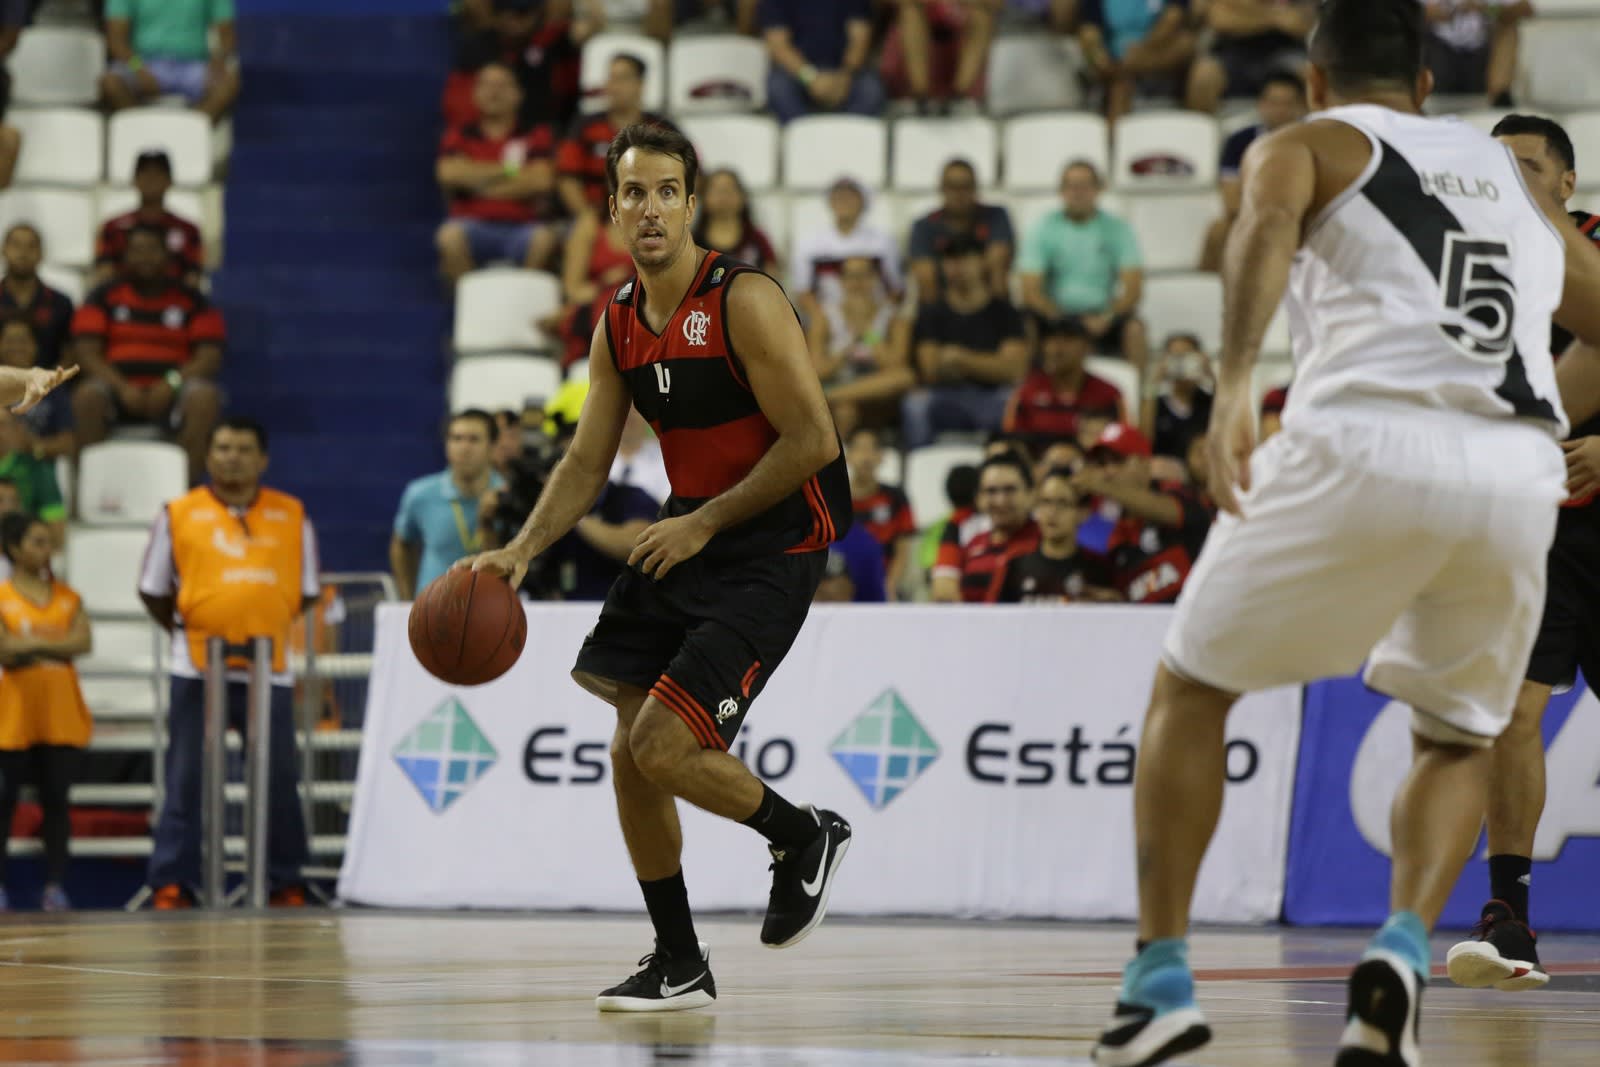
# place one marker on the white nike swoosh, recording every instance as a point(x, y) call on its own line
point(674, 990)
point(814, 886)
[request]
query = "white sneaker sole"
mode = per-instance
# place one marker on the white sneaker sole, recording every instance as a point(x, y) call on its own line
point(1382, 1029)
point(699, 998)
point(1166, 1036)
point(1479, 965)
point(822, 905)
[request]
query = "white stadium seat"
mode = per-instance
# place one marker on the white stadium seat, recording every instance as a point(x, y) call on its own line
point(63, 217)
point(1584, 129)
point(126, 482)
point(907, 208)
point(1033, 72)
point(819, 148)
point(1568, 7)
point(716, 72)
point(496, 309)
point(1557, 63)
point(926, 470)
point(104, 564)
point(745, 144)
point(57, 65)
point(508, 381)
point(117, 200)
point(598, 52)
point(1184, 303)
point(920, 148)
point(892, 466)
point(1483, 118)
point(184, 135)
point(67, 281)
point(1171, 227)
point(1028, 209)
point(60, 146)
point(1179, 147)
point(770, 211)
point(1038, 148)
point(1120, 373)
point(124, 645)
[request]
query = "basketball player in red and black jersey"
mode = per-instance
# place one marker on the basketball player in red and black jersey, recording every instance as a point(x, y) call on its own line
point(1502, 952)
point(710, 352)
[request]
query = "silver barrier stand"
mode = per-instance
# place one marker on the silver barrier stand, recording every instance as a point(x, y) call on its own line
point(258, 770)
point(214, 773)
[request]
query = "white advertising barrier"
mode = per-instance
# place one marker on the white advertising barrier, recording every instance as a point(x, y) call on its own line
point(983, 755)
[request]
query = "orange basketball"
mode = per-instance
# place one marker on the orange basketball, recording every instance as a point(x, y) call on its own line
point(467, 627)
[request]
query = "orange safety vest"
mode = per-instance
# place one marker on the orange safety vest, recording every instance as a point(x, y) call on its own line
point(41, 704)
point(239, 576)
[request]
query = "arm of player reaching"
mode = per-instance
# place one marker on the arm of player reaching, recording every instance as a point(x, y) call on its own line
point(765, 333)
point(579, 477)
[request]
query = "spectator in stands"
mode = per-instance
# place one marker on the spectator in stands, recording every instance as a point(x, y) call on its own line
point(1084, 262)
point(1129, 45)
point(970, 353)
point(1282, 100)
point(961, 490)
point(594, 264)
point(1063, 455)
point(819, 254)
point(25, 296)
point(1251, 40)
point(152, 177)
point(1472, 47)
point(1051, 400)
point(38, 492)
point(819, 51)
point(937, 52)
point(44, 722)
point(1272, 406)
point(723, 222)
point(539, 40)
point(46, 428)
point(232, 559)
point(1056, 572)
point(499, 177)
point(10, 136)
point(881, 510)
point(971, 573)
point(1181, 411)
point(960, 214)
point(855, 571)
point(582, 161)
point(507, 441)
point(437, 523)
point(159, 47)
point(1159, 528)
point(861, 347)
point(151, 349)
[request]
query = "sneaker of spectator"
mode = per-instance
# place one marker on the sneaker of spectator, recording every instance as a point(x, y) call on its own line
point(819, 253)
point(1282, 100)
point(723, 221)
point(820, 52)
point(1178, 409)
point(33, 477)
point(1472, 47)
point(1056, 572)
point(539, 42)
point(582, 161)
point(936, 53)
point(152, 178)
point(1049, 404)
point(594, 264)
point(1084, 263)
point(1251, 39)
point(961, 214)
point(861, 347)
point(970, 353)
point(49, 422)
point(151, 350)
point(881, 510)
point(499, 177)
point(1145, 45)
point(161, 47)
point(23, 295)
point(971, 573)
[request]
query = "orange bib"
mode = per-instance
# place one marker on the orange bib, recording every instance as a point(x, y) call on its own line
point(41, 704)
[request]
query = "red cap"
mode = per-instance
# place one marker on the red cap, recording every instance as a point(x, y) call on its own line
point(1124, 440)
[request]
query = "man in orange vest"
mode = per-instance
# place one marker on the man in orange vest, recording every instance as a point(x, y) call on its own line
point(236, 560)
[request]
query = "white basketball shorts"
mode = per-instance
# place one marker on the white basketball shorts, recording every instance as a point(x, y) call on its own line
point(1418, 537)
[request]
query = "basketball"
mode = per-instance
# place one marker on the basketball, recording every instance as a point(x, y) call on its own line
point(467, 627)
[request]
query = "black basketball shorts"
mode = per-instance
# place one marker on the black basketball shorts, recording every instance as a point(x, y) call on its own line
point(705, 639)
point(1569, 639)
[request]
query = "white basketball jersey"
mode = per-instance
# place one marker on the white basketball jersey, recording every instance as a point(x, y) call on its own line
point(1431, 280)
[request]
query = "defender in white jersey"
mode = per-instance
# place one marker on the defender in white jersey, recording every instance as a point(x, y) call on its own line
point(1401, 517)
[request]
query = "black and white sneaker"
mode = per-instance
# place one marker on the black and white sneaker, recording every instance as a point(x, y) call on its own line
point(1502, 953)
point(665, 984)
point(1383, 1016)
point(801, 881)
point(1140, 1037)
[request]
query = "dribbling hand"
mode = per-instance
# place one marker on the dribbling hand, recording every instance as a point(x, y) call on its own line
point(507, 563)
point(1228, 448)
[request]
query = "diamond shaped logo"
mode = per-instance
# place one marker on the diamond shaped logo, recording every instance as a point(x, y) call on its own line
point(884, 749)
point(444, 755)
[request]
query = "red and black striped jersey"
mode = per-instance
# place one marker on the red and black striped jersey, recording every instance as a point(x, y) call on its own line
point(886, 515)
point(690, 386)
point(147, 334)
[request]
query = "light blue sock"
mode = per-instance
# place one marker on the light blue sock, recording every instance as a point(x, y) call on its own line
point(1159, 977)
point(1405, 936)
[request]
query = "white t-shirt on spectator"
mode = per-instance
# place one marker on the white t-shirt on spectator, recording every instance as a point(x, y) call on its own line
point(818, 255)
point(1467, 31)
point(646, 470)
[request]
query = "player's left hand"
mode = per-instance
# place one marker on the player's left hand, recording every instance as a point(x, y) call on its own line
point(1583, 465)
point(665, 544)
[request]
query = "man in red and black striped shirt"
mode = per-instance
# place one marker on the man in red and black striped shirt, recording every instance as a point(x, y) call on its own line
point(972, 572)
point(152, 177)
point(25, 296)
point(582, 160)
point(150, 349)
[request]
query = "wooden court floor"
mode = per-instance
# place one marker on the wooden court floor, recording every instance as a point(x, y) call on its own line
point(318, 989)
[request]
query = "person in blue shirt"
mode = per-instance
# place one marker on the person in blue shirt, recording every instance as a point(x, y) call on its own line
point(1282, 101)
point(437, 523)
point(855, 571)
point(1129, 43)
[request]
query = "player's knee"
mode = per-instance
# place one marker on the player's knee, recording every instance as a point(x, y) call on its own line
point(658, 745)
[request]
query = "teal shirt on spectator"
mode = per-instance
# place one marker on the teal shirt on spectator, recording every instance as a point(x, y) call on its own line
point(174, 29)
point(1080, 261)
point(434, 515)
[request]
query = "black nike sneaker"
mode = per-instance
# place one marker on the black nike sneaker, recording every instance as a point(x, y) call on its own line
point(665, 984)
point(1502, 952)
point(801, 880)
point(1382, 1021)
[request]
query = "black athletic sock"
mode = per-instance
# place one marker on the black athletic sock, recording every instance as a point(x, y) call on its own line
point(781, 822)
point(667, 900)
point(1509, 877)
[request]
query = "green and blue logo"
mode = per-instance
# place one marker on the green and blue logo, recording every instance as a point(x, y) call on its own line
point(444, 755)
point(884, 749)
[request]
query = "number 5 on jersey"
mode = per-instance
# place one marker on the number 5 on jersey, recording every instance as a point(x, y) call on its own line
point(663, 378)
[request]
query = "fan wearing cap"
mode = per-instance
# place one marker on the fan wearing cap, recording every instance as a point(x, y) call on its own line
point(152, 177)
point(1157, 529)
point(1055, 397)
point(821, 252)
point(972, 573)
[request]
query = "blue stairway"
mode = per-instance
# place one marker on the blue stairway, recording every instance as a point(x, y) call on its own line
point(337, 324)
